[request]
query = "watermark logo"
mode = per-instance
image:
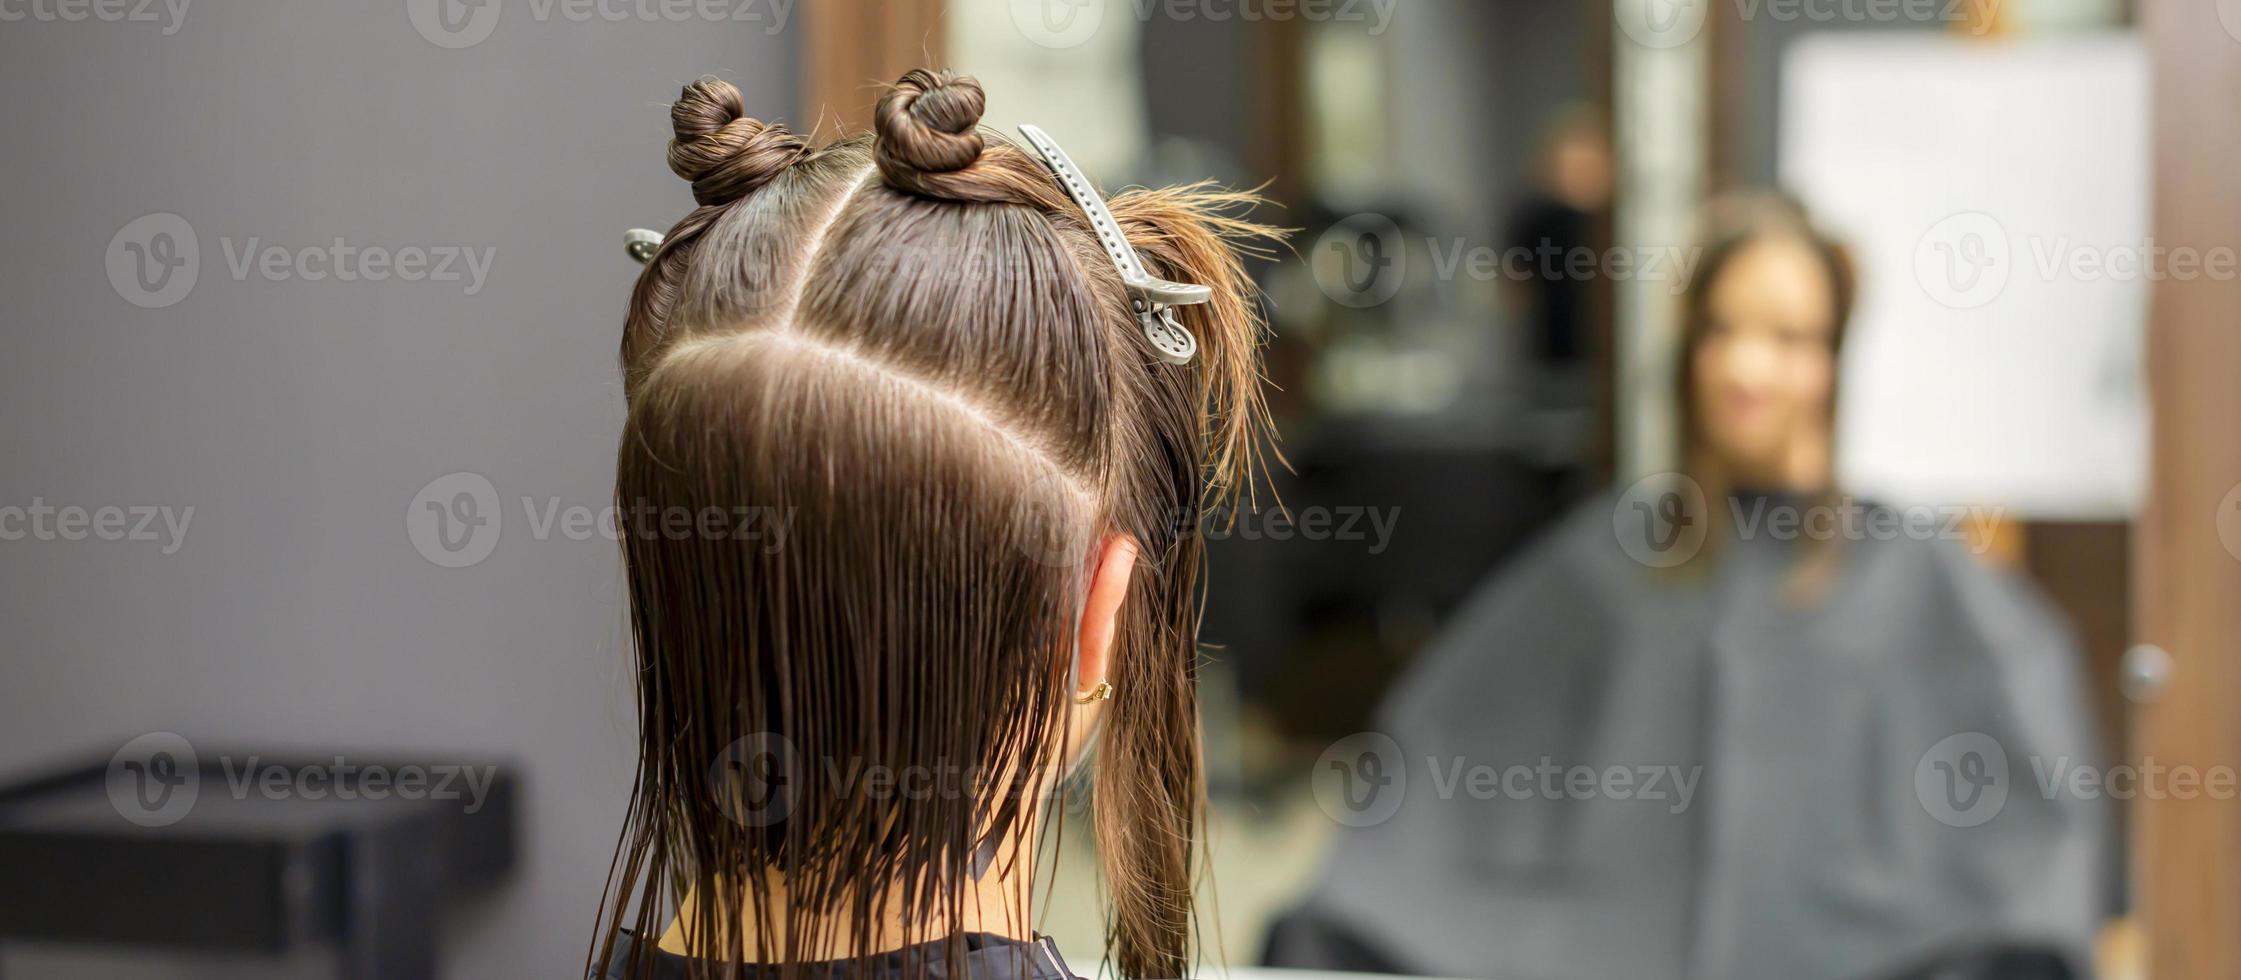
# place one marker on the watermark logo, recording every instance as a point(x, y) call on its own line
point(342, 261)
point(1361, 779)
point(755, 778)
point(1058, 24)
point(1977, 16)
point(1661, 23)
point(1963, 781)
point(1849, 519)
point(1360, 261)
point(1966, 780)
point(41, 521)
point(171, 13)
point(1660, 521)
point(1062, 24)
point(454, 520)
point(453, 23)
point(2229, 522)
point(153, 260)
point(1369, 526)
point(1548, 261)
point(1672, 23)
point(154, 779)
point(459, 24)
point(1964, 261)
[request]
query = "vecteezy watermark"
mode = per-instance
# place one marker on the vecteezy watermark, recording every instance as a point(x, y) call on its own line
point(1966, 260)
point(1661, 23)
point(161, 525)
point(1360, 261)
point(1372, 526)
point(465, 23)
point(1361, 780)
point(155, 260)
point(1071, 23)
point(755, 778)
point(156, 779)
point(1050, 524)
point(1672, 23)
point(1848, 519)
point(1965, 780)
point(1963, 261)
point(1545, 260)
point(760, 780)
point(2228, 522)
point(172, 14)
point(1662, 520)
point(1363, 261)
point(455, 520)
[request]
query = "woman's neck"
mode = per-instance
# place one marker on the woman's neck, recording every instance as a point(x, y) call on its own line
point(995, 903)
point(1802, 467)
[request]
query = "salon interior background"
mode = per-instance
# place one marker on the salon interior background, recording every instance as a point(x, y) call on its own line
point(404, 221)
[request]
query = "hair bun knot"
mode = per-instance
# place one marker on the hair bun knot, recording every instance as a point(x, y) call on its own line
point(929, 123)
point(720, 149)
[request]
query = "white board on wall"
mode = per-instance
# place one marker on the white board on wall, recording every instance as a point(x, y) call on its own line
point(1997, 195)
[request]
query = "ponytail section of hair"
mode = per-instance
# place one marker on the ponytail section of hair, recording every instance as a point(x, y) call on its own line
point(1210, 421)
point(1200, 233)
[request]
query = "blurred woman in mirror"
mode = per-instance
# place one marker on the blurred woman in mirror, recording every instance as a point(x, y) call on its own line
point(1733, 722)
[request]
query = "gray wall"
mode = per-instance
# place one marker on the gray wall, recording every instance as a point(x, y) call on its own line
point(300, 419)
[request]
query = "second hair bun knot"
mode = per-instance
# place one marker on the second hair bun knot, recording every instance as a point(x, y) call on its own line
point(930, 123)
point(722, 150)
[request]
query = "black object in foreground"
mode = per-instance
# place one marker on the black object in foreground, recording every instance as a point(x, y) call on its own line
point(243, 853)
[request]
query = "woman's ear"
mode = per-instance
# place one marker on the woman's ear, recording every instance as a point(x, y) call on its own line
point(1109, 573)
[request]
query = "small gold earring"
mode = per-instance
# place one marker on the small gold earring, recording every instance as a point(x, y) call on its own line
point(1102, 691)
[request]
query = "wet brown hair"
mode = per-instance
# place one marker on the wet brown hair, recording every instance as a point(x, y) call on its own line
point(910, 349)
point(1731, 224)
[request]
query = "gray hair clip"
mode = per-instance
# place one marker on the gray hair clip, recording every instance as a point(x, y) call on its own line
point(641, 243)
point(1154, 298)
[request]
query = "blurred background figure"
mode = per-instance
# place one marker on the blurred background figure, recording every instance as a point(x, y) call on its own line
point(1694, 754)
point(1553, 234)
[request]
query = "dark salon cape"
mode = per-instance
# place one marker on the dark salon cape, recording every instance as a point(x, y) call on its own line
point(984, 957)
point(1807, 851)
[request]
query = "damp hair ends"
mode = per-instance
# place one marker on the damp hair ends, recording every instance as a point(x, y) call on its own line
point(908, 350)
